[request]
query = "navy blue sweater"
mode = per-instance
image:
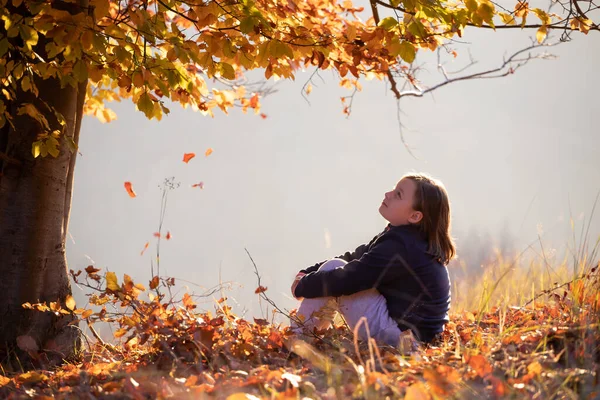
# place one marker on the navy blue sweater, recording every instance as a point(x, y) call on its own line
point(396, 262)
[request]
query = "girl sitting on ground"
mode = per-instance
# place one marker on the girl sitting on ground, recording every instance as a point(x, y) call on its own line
point(398, 281)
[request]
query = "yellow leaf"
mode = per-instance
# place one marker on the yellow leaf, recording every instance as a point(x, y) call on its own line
point(4, 380)
point(507, 18)
point(86, 314)
point(111, 281)
point(100, 8)
point(417, 391)
point(36, 148)
point(242, 396)
point(70, 302)
point(541, 33)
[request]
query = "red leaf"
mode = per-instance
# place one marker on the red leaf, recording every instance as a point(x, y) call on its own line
point(156, 234)
point(90, 269)
point(154, 283)
point(199, 184)
point(260, 289)
point(263, 116)
point(168, 236)
point(188, 156)
point(129, 189)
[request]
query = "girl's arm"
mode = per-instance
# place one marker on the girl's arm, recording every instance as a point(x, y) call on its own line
point(385, 261)
point(347, 256)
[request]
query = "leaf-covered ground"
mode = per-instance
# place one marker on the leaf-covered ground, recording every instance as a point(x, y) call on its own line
point(547, 349)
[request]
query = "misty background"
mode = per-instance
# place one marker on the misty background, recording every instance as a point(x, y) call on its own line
point(518, 156)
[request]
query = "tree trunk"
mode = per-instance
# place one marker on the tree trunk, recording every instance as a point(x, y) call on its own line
point(35, 199)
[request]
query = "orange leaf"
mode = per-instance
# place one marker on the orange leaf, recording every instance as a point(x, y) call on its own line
point(154, 283)
point(254, 101)
point(90, 269)
point(480, 364)
point(129, 189)
point(208, 152)
point(145, 247)
point(156, 234)
point(263, 116)
point(199, 184)
point(168, 236)
point(260, 289)
point(188, 156)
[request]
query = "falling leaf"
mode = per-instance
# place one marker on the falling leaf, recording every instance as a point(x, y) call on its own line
point(112, 282)
point(168, 236)
point(260, 289)
point(129, 189)
point(27, 343)
point(199, 184)
point(208, 152)
point(156, 234)
point(70, 302)
point(145, 247)
point(188, 156)
point(263, 116)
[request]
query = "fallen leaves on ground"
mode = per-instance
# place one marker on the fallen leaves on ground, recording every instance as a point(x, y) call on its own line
point(171, 350)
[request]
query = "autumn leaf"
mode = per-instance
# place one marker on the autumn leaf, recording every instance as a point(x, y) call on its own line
point(168, 235)
point(198, 185)
point(156, 234)
point(70, 302)
point(541, 33)
point(260, 289)
point(480, 364)
point(86, 314)
point(188, 156)
point(263, 116)
point(129, 189)
point(4, 381)
point(145, 248)
point(308, 89)
point(112, 282)
point(208, 152)
point(154, 282)
point(90, 269)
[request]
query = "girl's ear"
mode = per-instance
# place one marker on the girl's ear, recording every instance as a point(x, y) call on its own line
point(415, 217)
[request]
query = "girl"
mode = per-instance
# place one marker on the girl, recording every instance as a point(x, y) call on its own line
point(398, 281)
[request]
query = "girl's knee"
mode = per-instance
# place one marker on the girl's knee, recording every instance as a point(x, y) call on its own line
point(332, 264)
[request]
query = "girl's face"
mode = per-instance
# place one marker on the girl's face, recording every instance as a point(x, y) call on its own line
point(397, 207)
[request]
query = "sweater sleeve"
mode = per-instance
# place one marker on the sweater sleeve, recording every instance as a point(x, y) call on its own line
point(347, 256)
point(384, 261)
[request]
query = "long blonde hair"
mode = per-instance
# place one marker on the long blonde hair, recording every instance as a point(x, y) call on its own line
point(432, 200)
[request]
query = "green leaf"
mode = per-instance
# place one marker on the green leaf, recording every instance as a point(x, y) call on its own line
point(407, 52)
point(146, 105)
point(388, 23)
point(80, 71)
point(247, 25)
point(226, 71)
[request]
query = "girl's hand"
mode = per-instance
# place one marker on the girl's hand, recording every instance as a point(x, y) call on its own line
point(297, 279)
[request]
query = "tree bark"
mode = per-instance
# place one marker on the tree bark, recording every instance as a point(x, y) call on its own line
point(35, 199)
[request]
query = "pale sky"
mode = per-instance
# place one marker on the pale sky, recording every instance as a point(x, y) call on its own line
point(305, 184)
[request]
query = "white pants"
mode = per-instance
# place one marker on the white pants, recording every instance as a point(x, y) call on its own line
point(319, 312)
